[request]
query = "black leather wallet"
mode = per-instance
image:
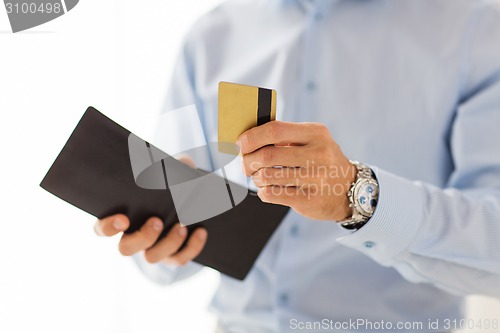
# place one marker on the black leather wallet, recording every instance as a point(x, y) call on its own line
point(93, 172)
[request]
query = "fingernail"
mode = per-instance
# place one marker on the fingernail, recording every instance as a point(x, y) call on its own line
point(157, 225)
point(182, 231)
point(119, 224)
point(202, 234)
point(238, 143)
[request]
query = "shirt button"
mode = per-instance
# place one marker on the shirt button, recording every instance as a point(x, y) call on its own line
point(283, 299)
point(368, 244)
point(294, 230)
point(318, 17)
point(310, 85)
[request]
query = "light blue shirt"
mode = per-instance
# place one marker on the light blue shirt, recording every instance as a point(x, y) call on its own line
point(411, 88)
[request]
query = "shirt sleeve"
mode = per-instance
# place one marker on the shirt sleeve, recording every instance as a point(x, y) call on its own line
point(180, 94)
point(450, 237)
point(163, 273)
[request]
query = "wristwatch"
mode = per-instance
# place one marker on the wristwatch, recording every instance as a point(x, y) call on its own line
point(363, 197)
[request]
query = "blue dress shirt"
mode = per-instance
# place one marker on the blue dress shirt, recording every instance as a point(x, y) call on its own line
point(411, 88)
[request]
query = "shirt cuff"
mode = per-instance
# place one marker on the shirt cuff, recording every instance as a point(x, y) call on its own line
point(395, 222)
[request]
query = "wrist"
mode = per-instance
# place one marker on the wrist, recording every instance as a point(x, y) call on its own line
point(346, 208)
point(340, 205)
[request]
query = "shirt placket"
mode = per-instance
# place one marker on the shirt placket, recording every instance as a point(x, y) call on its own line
point(309, 88)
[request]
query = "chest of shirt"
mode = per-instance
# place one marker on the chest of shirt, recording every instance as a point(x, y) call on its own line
point(387, 95)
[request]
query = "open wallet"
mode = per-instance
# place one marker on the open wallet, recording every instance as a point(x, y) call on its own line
point(94, 172)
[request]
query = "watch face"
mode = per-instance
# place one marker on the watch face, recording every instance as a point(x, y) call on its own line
point(367, 197)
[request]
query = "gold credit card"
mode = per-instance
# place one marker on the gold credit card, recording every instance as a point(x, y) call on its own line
point(242, 107)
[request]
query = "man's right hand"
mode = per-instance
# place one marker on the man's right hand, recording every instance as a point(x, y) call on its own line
point(166, 250)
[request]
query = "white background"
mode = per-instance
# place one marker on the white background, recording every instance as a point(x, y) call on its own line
point(55, 274)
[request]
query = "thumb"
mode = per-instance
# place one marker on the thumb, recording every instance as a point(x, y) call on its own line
point(187, 160)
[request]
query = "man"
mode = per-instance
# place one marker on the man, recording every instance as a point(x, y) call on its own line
point(409, 88)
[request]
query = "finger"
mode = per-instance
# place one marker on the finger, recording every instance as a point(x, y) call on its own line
point(298, 198)
point(111, 225)
point(168, 245)
point(142, 239)
point(272, 156)
point(310, 175)
point(281, 177)
point(275, 132)
point(186, 160)
point(194, 246)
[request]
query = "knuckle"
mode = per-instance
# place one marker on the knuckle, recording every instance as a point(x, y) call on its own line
point(268, 178)
point(257, 181)
point(262, 193)
point(246, 142)
point(295, 173)
point(252, 168)
point(266, 173)
point(320, 150)
point(265, 182)
point(178, 261)
point(171, 261)
point(151, 258)
point(125, 249)
point(274, 129)
point(182, 262)
point(259, 177)
point(267, 155)
point(321, 129)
